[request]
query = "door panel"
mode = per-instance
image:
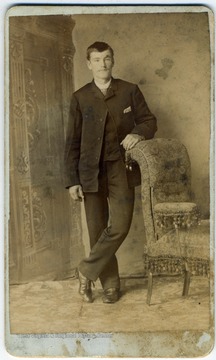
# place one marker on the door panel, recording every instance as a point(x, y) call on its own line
point(45, 226)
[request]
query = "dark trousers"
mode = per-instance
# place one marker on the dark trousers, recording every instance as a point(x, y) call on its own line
point(109, 214)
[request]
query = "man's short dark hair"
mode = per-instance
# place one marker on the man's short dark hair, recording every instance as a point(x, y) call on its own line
point(100, 47)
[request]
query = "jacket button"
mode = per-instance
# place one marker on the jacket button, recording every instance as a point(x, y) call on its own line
point(101, 119)
point(98, 138)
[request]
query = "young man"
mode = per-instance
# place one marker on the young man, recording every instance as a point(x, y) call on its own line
point(107, 117)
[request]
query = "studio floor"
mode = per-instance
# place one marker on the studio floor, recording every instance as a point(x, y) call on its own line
point(172, 326)
point(56, 307)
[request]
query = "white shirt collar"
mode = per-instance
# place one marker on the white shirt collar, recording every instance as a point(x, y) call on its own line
point(104, 86)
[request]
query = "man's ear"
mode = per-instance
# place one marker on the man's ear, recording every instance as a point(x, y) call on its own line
point(89, 64)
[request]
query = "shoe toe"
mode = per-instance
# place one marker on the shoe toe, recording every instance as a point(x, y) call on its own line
point(111, 296)
point(87, 297)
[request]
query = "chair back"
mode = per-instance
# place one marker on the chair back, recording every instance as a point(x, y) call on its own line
point(165, 175)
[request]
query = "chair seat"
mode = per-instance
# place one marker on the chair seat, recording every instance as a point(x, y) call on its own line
point(167, 208)
point(177, 214)
point(167, 255)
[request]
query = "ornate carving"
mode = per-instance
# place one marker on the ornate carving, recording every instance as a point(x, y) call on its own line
point(19, 109)
point(29, 83)
point(26, 218)
point(29, 259)
point(38, 214)
point(32, 110)
point(40, 220)
point(39, 217)
point(23, 163)
point(67, 63)
point(76, 236)
point(16, 49)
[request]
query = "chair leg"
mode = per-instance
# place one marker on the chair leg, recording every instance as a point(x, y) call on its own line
point(186, 281)
point(150, 284)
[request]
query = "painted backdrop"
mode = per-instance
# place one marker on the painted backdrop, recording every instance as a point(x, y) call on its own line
point(168, 56)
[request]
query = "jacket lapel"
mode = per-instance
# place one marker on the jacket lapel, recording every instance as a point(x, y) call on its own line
point(112, 89)
point(96, 92)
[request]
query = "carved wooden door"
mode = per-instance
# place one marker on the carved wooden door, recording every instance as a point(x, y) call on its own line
point(45, 229)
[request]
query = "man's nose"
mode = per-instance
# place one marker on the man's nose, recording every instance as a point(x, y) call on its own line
point(103, 63)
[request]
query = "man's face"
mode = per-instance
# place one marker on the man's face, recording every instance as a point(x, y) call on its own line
point(101, 64)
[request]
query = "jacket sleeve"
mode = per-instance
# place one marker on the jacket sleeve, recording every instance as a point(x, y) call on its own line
point(146, 123)
point(72, 145)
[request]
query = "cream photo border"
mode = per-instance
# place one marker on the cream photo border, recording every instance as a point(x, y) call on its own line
point(102, 344)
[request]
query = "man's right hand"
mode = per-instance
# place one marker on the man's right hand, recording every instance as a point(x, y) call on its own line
point(76, 192)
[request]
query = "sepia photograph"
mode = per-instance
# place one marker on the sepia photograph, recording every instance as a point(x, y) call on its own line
point(110, 160)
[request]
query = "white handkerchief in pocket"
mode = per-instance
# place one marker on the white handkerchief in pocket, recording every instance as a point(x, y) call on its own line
point(127, 110)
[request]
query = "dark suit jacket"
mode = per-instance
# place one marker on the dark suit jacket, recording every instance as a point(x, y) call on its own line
point(88, 112)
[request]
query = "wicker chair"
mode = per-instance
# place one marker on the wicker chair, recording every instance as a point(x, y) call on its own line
point(175, 244)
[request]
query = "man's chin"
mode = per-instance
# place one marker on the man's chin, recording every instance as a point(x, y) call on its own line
point(104, 77)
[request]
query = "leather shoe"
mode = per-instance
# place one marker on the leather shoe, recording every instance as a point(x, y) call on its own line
point(111, 295)
point(85, 288)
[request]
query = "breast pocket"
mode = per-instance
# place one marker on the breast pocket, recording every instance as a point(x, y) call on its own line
point(127, 113)
point(127, 110)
